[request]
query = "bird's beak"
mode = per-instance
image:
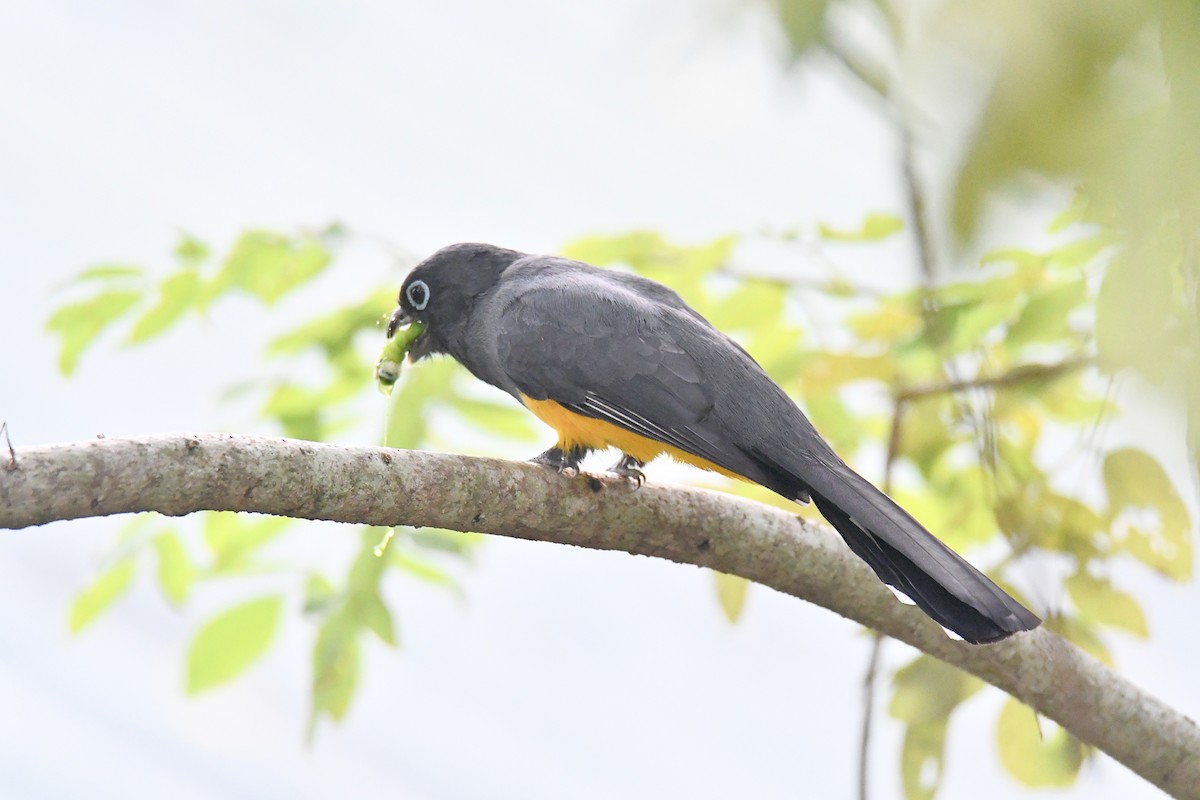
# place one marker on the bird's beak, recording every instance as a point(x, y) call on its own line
point(398, 320)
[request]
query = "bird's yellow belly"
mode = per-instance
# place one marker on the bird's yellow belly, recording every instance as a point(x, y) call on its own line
point(576, 430)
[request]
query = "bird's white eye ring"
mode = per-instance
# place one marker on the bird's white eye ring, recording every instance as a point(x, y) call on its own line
point(418, 295)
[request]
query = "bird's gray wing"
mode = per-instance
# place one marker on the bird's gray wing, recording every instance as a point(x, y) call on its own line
point(611, 355)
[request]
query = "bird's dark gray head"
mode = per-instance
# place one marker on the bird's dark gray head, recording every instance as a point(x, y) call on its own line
point(443, 290)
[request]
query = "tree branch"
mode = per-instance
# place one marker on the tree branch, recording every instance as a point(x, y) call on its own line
point(1013, 377)
point(180, 474)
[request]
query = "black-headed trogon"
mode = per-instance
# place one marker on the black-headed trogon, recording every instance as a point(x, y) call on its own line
point(609, 359)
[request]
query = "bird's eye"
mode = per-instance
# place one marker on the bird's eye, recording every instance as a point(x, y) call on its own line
point(418, 295)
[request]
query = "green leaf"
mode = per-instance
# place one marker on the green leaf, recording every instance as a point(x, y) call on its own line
point(1034, 759)
point(1046, 313)
point(682, 268)
point(78, 324)
point(233, 537)
point(803, 21)
point(1134, 316)
point(177, 294)
point(425, 571)
point(456, 542)
point(875, 227)
point(837, 425)
point(499, 419)
point(423, 386)
point(927, 431)
point(1169, 557)
point(319, 593)
point(336, 664)
point(1067, 398)
point(1134, 478)
point(364, 606)
point(731, 592)
point(1021, 258)
point(1064, 396)
point(960, 327)
point(1074, 214)
point(755, 305)
point(922, 759)
point(367, 568)
point(635, 248)
point(1080, 252)
point(955, 504)
point(191, 251)
point(108, 587)
point(230, 642)
point(647, 251)
point(925, 694)
point(780, 351)
point(1033, 513)
point(1136, 481)
point(1082, 633)
point(335, 332)
point(827, 371)
point(893, 320)
point(928, 690)
point(1050, 108)
point(175, 571)
point(376, 617)
point(137, 530)
point(299, 409)
point(109, 273)
point(1098, 600)
point(269, 265)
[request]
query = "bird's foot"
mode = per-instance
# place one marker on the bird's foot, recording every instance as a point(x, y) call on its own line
point(565, 462)
point(629, 467)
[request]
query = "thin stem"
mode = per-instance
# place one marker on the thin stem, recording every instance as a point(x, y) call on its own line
point(12, 454)
point(1014, 377)
point(864, 742)
point(829, 286)
point(917, 206)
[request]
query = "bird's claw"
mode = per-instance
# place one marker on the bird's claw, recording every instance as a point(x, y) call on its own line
point(629, 467)
point(565, 462)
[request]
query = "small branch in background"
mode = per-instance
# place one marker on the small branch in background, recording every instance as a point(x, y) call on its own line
point(831, 286)
point(1014, 377)
point(917, 206)
point(876, 84)
point(12, 454)
point(864, 743)
point(914, 195)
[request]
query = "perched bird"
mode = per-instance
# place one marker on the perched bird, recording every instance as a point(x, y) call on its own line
point(609, 359)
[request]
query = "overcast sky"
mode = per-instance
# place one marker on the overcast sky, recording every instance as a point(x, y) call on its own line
point(564, 673)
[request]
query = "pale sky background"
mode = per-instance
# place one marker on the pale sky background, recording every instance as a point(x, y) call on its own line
point(565, 673)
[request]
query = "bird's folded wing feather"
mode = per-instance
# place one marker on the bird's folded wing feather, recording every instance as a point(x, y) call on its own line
point(616, 358)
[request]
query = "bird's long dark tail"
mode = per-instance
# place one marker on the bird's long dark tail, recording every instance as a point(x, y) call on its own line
point(907, 557)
